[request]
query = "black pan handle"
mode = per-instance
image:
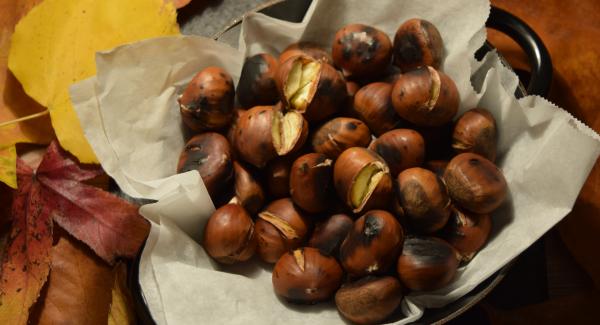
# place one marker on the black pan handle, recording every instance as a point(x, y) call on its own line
point(530, 42)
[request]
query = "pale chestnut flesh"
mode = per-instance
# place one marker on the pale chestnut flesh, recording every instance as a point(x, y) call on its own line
point(289, 131)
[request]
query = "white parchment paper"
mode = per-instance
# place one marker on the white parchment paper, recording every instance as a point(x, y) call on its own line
point(130, 117)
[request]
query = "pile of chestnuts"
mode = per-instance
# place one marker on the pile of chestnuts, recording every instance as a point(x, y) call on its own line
point(347, 169)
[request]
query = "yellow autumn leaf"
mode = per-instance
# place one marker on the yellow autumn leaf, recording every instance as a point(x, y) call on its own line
point(8, 175)
point(55, 45)
point(121, 309)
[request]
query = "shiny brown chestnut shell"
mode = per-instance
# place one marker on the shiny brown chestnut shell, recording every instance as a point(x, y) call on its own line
point(248, 191)
point(475, 183)
point(418, 43)
point(373, 105)
point(280, 227)
point(306, 276)
point(401, 149)
point(278, 177)
point(475, 131)
point(361, 51)
point(207, 101)
point(229, 235)
point(373, 244)
point(438, 167)
point(424, 199)
point(252, 139)
point(311, 182)
point(208, 153)
point(330, 233)
point(289, 131)
point(362, 180)
point(426, 263)
point(339, 134)
point(309, 49)
point(467, 232)
point(257, 81)
point(369, 300)
point(425, 97)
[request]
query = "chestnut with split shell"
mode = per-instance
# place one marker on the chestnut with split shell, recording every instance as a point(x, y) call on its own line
point(475, 131)
point(373, 105)
point(330, 233)
point(229, 235)
point(257, 81)
point(289, 131)
point(252, 138)
point(418, 43)
point(309, 49)
point(401, 149)
point(339, 134)
point(311, 182)
point(369, 300)
point(361, 51)
point(248, 191)
point(306, 276)
point(467, 232)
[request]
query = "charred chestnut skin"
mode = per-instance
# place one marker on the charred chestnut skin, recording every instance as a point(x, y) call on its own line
point(475, 183)
point(475, 131)
point(424, 199)
point(467, 232)
point(369, 300)
point(280, 227)
point(207, 101)
point(373, 105)
point(306, 276)
point(418, 43)
point(426, 263)
point(330, 233)
point(248, 191)
point(229, 235)
point(257, 81)
point(311, 182)
point(361, 51)
point(425, 97)
point(278, 177)
point(373, 244)
point(401, 149)
point(210, 154)
point(252, 138)
point(339, 134)
point(310, 49)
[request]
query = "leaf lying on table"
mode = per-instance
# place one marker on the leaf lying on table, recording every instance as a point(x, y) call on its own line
point(121, 307)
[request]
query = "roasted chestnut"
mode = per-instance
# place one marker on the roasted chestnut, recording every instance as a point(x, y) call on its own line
point(467, 232)
point(401, 149)
point(475, 131)
point(257, 81)
point(418, 43)
point(306, 276)
point(339, 134)
point(426, 263)
point(309, 49)
point(252, 139)
point(475, 183)
point(289, 131)
point(248, 191)
point(373, 244)
point(369, 300)
point(425, 97)
point(330, 233)
point(208, 153)
point(311, 180)
point(311, 87)
point(280, 227)
point(373, 105)
point(362, 179)
point(278, 177)
point(438, 167)
point(229, 235)
point(207, 101)
point(237, 112)
point(424, 199)
point(361, 51)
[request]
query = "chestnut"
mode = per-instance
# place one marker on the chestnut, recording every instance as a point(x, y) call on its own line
point(330, 233)
point(278, 177)
point(425, 97)
point(311, 182)
point(280, 227)
point(418, 43)
point(252, 139)
point(289, 131)
point(373, 244)
point(257, 81)
point(229, 235)
point(207, 101)
point(475, 131)
point(339, 134)
point(306, 276)
point(424, 199)
point(237, 112)
point(373, 105)
point(309, 49)
point(248, 191)
point(438, 167)
point(426, 263)
point(467, 232)
point(362, 179)
point(361, 51)
point(475, 183)
point(310, 87)
point(351, 88)
point(401, 149)
point(208, 153)
point(369, 300)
